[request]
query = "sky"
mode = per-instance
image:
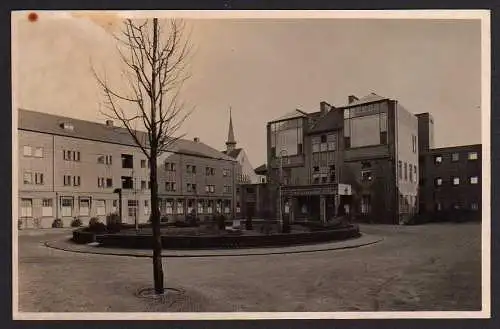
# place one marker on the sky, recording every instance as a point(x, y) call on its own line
point(265, 68)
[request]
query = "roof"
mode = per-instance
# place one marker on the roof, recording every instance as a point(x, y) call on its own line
point(233, 153)
point(458, 148)
point(291, 115)
point(367, 99)
point(94, 131)
point(262, 169)
point(331, 121)
point(230, 133)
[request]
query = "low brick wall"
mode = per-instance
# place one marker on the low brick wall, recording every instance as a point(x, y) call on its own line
point(227, 241)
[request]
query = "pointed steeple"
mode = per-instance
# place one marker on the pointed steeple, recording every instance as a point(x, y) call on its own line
point(230, 143)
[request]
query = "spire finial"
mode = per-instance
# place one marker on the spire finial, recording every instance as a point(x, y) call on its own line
point(230, 143)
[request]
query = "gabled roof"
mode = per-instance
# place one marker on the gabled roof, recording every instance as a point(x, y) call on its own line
point(88, 130)
point(233, 153)
point(261, 170)
point(367, 99)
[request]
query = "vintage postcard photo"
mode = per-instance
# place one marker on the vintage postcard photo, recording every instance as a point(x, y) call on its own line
point(246, 165)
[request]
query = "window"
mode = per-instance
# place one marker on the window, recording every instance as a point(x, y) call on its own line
point(383, 137)
point(227, 189)
point(180, 207)
point(26, 208)
point(227, 206)
point(76, 155)
point(189, 187)
point(366, 175)
point(455, 181)
point(454, 157)
point(66, 207)
point(115, 205)
point(225, 172)
point(127, 161)
point(316, 168)
point(438, 159)
point(414, 143)
point(169, 207)
point(101, 159)
point(109, 182)
point(316, 180)
point(46, 207)
point(411, 172)
point(109, 159)
point(170, 186)
point(39, 178)
point(100, 181)
point(146, 207)
point(127, 182)
point(143, 163)
point(100, 207)
point(143, 185)
point(331, 141)
point(189, 206)
point(218, 206)
point(39, 152)
point(415, 173)
point(132, 208)
point(27, 151)
point(28, 177)
point(76, 181)
point(200, 206)
point(474, 206)
point(84, 206)
point(473, 180)
point(324, 180)
point(406, 171)
point(169, 166)
point(207, 171)
point(210, 206)
point(238, 207)
point(472, 156)
point(193, 169)
point(438, 181)
point(67, 180)
point(400, 169)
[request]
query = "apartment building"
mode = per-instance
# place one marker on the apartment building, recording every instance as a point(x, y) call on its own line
point(362, 156)
point(450, 176)
point(70, 168)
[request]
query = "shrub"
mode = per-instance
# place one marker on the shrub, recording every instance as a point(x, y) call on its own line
point(76, 222)
point(96, 226)
point(57, 223)
point(164, 219)
point(221, 222)
point(113, 223)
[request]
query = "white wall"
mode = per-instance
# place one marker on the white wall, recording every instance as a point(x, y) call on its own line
point(407, 126)
point(247, 169)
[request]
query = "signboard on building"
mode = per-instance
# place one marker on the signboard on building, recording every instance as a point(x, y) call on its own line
point(345, 189)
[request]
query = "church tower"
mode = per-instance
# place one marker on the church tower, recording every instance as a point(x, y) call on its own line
point(230, 143)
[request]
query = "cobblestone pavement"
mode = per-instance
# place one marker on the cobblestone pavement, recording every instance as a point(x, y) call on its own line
point(415, 268)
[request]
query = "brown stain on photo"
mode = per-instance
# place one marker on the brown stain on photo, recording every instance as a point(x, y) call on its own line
point(33, 17)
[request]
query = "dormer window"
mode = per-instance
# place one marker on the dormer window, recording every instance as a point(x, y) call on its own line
point(67, 126)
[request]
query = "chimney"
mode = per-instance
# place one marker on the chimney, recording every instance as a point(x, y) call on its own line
point(352, 98)
point(196, 139)
point(109, 123)
point(324, 107)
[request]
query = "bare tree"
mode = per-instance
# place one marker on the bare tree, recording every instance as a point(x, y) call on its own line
point(155, 69)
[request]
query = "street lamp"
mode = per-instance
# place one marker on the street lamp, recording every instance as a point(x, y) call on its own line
point(280, 203)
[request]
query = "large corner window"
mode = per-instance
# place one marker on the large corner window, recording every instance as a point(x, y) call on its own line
point(365, 127)
point(287, 136)
point(127, 161)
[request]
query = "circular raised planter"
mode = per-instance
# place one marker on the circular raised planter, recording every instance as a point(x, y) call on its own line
point(128, 239)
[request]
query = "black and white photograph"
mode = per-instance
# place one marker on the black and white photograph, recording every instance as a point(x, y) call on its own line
point(251, 164)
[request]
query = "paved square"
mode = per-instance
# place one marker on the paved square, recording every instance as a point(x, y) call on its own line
point(416, 268)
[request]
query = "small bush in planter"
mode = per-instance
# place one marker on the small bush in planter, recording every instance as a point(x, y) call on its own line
point(96, 226)
point(57, 223)
point(76, 222)
point(113, 223)
point(221, 222)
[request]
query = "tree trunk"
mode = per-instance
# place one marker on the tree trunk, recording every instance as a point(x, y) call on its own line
point(155, 220)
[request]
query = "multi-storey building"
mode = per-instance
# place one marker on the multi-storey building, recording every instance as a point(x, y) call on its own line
point(363, 156)
point(70, 168)
point(450, 176)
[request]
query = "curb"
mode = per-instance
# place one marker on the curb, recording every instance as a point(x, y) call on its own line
point(50, 244)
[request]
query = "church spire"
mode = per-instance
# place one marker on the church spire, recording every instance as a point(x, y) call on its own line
point(230, 143)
